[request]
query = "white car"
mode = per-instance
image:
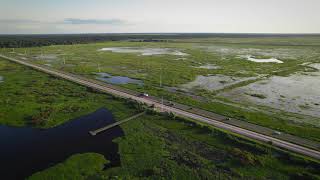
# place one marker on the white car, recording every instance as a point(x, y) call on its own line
point(276, 132)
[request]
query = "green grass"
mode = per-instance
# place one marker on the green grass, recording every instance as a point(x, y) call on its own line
point(77, 167)
point(154, 146)
point(31, 98)
point(157, 146)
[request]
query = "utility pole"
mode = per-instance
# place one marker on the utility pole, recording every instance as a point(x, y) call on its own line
point(99, 69)
point(160, 77)
point(161, 88)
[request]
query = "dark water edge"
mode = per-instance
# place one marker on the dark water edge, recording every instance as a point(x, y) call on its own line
point(26, 150)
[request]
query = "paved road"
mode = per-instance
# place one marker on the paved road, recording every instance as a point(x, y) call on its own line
point(104, 88)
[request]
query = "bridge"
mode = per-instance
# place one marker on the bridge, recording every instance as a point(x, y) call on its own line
point(95, 132)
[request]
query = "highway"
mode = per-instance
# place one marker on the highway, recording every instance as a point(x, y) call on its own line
point(234, 129)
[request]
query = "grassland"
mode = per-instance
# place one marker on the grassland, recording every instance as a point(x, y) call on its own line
point(79, 166)
point(154, 146)
point(31, 98)
point(86, 59)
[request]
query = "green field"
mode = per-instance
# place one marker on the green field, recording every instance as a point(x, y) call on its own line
point(154, 146)
point(175, 71)
point(31, 98)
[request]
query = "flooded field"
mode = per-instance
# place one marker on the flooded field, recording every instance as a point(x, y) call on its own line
point(145, 51)
point(181, 59)
point(214, 82)
point(285, 53)
point(117, 79)
point(25, 151)
point(298, 93)
point(253, 59)
point(315, 65)
point(209, 66)
point(47, 57)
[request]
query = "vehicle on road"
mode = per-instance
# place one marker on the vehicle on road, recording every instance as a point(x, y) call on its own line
point(276, 133)
point(143, 95)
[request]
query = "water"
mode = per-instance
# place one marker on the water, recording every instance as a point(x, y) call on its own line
point(213, 83)
point(48, 65)
point(145, 51)
point(117, 79)
point(1, 79)
point(270, 60)
point(209, 66)
point(282, 53)
point(25, 151)
point(297, 93)
point(47, 57)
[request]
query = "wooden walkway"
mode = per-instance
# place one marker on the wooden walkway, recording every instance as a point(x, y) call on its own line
point(95, 132)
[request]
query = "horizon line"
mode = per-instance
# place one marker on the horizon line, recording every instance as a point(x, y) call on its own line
point(167, 33)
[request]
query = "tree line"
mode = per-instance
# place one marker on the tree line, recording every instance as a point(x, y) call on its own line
point(16, 41)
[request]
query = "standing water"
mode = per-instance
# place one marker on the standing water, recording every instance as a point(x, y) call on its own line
point(25, 151)
point(118, 79)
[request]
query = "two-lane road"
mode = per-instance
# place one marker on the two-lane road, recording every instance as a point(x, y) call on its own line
point(237, 130)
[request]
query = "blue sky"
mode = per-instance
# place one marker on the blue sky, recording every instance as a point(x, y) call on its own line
point(138, 16)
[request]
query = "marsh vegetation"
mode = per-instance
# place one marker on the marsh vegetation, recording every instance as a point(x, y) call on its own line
point(211, 70)
point(154, 145)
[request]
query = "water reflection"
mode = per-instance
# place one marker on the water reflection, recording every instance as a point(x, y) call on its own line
point(25, 151)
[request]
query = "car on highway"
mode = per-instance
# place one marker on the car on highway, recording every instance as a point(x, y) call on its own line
point(276, 133)
point(143, 95)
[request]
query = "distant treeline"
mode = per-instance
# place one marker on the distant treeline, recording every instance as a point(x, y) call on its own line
point(15, 41)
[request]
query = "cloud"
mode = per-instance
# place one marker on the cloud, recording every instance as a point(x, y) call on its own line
point(70, 21)
point(68, 25)
point(18, 21)
point(94, 21)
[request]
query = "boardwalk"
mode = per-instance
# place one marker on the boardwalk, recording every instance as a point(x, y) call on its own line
point(95, 132)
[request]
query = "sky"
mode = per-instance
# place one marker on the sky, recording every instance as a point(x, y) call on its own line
point(159, 16)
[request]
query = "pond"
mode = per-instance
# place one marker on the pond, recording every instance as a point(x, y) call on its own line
point(283, 53)
point(26, 150)
point(47, 57)
point(145, 51)
point(253, 59)
point(209, 66)
point(117, 79)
